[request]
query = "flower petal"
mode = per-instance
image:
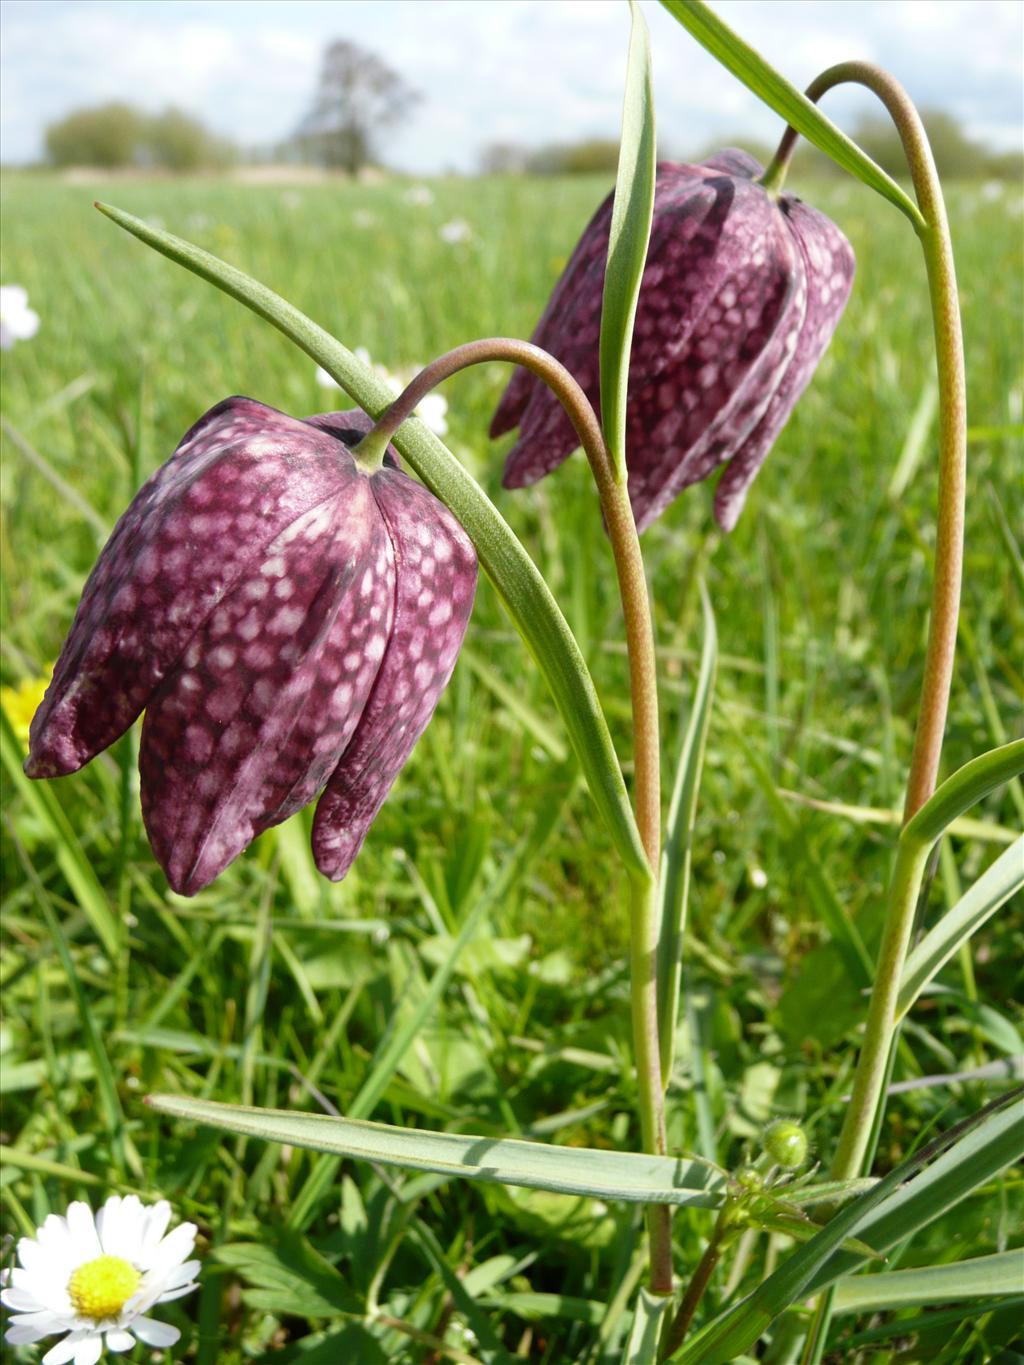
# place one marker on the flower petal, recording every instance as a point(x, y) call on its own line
point(118, 1341)
point(250, 726)
point(155, 1333)
point(29, 1327)
point(435, 582)
point(173, 1249)
point(155, 1220)
point(239, 478)
point(89, 1351)
point(829, 265)
point(20, 1300)
point(68, 1348)
point(82, 1226)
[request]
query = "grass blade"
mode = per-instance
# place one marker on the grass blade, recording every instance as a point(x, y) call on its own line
point(632, 210)
point(770, 86)
point(980, 1278)
point(515, 577)
point(678, 856)
point(70, 856)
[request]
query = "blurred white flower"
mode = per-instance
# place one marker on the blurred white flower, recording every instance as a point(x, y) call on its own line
point(197, 222)
point(992, 190)
point(18, 321)
point(363, 218)
point(455, 231)
point(433, 407)
point(94, 1279)
point(291, 199)
point(420, 195)
point(432, 412)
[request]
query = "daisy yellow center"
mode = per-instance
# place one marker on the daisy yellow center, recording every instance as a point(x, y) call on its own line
point(101, 1288)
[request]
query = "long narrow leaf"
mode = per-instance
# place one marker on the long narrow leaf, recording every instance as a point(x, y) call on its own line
point(628, 1176)
point(675, 872)
point(964, 789)
point(770, 86)
point(515, 577)
point(648, 1316)
point(980, 1278)
point(977, 1157)
point(992, 889)
point(632, 210)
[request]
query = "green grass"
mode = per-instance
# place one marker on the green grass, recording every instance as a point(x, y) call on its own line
point(273, 987)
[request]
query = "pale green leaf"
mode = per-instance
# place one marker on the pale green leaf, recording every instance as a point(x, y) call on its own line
point(632, 210)
point(774, 90)
point(631, 1177)
point(992, 889)
point(678, 855)
point(982, 1277)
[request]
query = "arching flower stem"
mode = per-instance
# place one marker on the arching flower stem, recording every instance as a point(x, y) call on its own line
point(863, 1114)
point(949, 354)
point(639, 631)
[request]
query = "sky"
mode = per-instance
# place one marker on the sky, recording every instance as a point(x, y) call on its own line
point(524, 71)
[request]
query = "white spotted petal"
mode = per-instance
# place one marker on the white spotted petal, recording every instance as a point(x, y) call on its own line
point(252, 599)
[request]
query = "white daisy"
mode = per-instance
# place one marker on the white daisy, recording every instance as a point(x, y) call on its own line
point(18, 321)
point(419, 195)
point(455, 231)
point(433, 407)
point(96, 1278)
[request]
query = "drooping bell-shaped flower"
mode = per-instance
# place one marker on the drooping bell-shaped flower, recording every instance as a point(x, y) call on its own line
point(740, 296)
point(288, 623)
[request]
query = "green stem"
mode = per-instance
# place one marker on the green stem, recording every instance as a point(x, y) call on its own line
point(863, 1114)
point(629, 567)
point(949, 355)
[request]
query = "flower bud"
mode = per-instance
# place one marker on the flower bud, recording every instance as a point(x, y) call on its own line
point(786, 1143)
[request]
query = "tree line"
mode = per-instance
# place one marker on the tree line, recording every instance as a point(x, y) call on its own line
point(358, 97)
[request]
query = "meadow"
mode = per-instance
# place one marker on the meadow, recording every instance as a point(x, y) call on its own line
point(455, 981)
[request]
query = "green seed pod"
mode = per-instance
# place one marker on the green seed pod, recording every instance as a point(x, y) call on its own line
point(786, 1143)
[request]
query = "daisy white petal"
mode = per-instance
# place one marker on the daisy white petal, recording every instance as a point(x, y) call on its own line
point(155, 1333)
point(89, 1351)
point(119, 1341)
point(82, 1227)
point(178, 1293)
point(157, 1219)
point(20, 1300)
point(66, 1350)
point(178, 1243)
point(29, 1327)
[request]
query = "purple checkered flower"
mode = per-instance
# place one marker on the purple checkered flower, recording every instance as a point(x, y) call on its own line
point(287, 622)
point(740, 296)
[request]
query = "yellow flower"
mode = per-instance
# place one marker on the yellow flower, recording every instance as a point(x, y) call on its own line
point(22, 702)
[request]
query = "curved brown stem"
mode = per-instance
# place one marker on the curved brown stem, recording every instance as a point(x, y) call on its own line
point(636, 608)
point(949, 354)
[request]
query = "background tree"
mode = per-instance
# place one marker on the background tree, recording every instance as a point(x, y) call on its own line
point(115, 136)
point(108, 135)
point(178, 142)
point(358, 95)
